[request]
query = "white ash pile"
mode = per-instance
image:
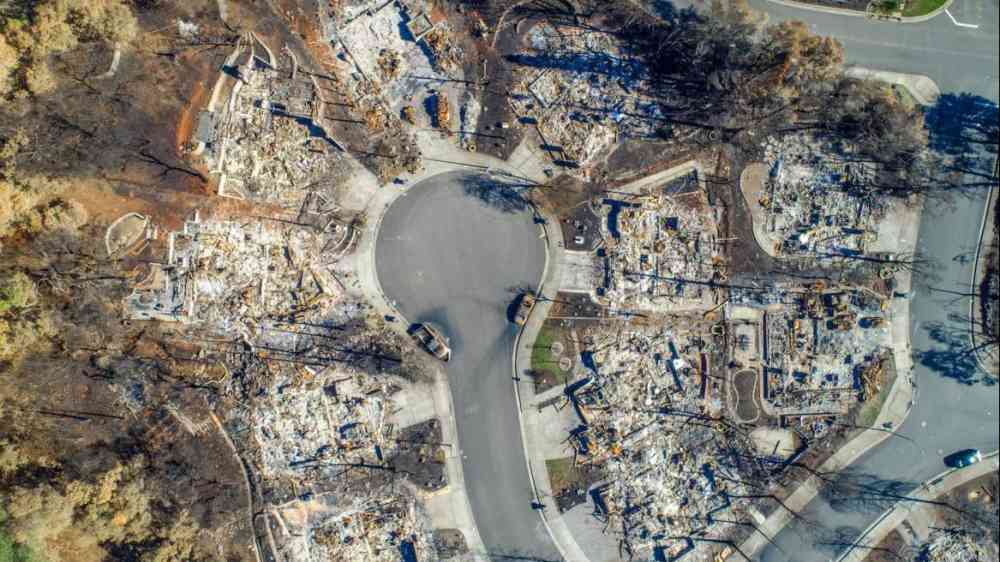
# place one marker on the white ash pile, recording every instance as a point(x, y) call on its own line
point(383, 525)
point(817, 200)
point(650, 415)
point(581, 87)
point(661, 249)
point(945, 545)
point(336, 417)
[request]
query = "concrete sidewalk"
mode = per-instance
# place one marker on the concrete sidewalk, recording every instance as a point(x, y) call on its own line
point(531, 422)
point(450, 507)
point(538, 446)
point(922, 88)
point(897, 406)
point(915, 508)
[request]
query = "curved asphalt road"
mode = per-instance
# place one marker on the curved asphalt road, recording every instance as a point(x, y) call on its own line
point(448, 258)
point(949, 415)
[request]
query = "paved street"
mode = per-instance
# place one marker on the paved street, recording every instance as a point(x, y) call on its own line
point(949, 414)
point(449, 258)
point(959, 59)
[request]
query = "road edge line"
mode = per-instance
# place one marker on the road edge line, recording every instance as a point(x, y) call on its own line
point(856, 14)
point(990, 203)
point(887, 513)
point(515, 379)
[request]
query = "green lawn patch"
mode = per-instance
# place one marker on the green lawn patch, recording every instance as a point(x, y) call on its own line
point(921, 7)
point(11, 551)
point(544, 366)
point(562, 474)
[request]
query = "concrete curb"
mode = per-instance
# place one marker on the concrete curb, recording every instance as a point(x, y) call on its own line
point(897, 406)
point(857, 14)
point(454, 468)
point(973, 312)
point(534, 314)
point(442, 158)
point(816, 8)
point(923, 89)
point(560, 535)
point(926, 491)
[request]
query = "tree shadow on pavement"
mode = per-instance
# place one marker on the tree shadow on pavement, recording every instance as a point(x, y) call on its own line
point(964, 131)
point(852, 490)
point(954, 355)
point(517, 555)
point(961, 124)
point(504, 196)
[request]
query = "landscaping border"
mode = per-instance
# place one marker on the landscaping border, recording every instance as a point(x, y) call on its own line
point(975, 306)
point(858, 14)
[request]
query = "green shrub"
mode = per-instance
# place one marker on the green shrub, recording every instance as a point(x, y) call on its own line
point(16, 292)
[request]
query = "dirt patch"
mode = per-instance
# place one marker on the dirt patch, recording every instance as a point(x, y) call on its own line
point(576, 306)
point(421, 455)
point(570, 482)
point(745, 386)
point(634, 155)
point(185, 125)
point(891, 549)
point(497, 117)
point(563, 195)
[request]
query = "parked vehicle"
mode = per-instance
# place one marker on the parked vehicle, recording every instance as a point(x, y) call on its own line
point(527, 302)
point(964, 458)
point(432, 340)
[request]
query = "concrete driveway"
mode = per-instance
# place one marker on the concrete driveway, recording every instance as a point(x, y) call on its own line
point(449, 258)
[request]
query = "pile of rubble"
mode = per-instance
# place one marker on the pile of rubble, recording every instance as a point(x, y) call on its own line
point(394, 50)
point(945, 545)
point(815, 203)
point(231, 276)
point(649, 413)
point(337, 417)
point(581, 90)
point(385, 525)
point(328, 434)
point(819, 349)
point(271, 141)
point(661, 250)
